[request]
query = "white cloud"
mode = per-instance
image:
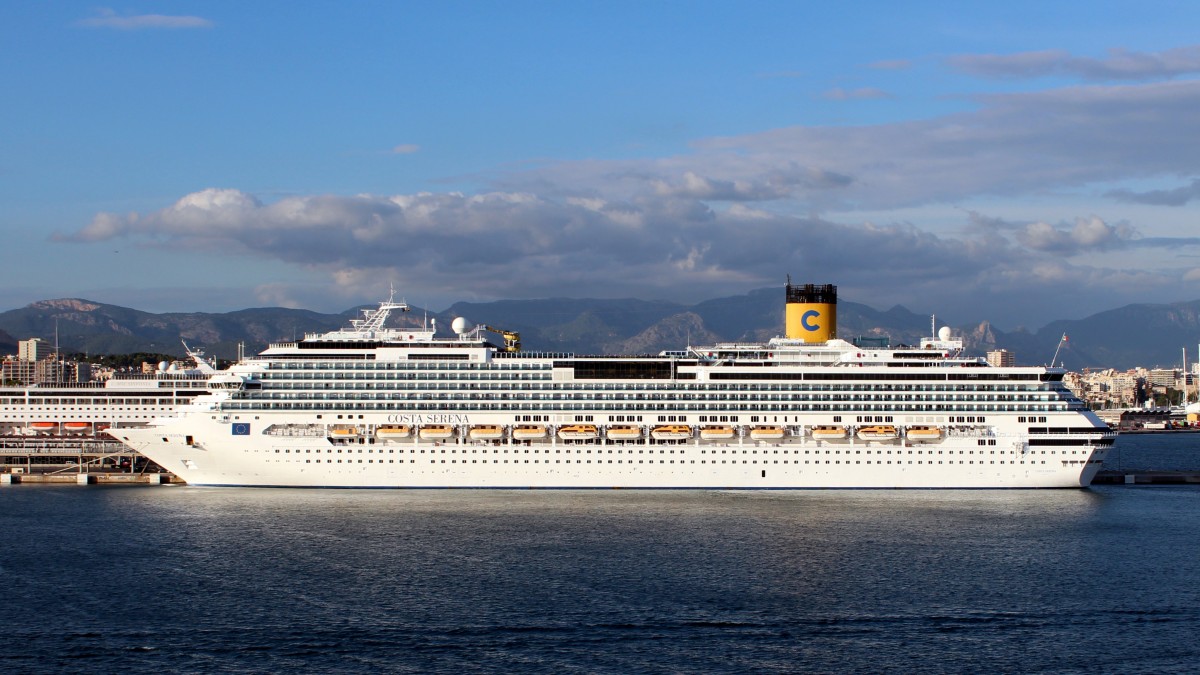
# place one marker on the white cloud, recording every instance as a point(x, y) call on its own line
point(406, 149)
point(510, 245)
point(683, 227)
point(861, 94)
point(1120, 64)
point(891, 64)
point(1013, 144)
point(1173, 197)
point(108, 18)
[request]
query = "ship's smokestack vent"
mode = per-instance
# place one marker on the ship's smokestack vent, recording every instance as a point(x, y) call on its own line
point(811, 312)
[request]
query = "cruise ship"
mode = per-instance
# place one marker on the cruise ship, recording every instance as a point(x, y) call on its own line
point(83, 410)
point(370, 406)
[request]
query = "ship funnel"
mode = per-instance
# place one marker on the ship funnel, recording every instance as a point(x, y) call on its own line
point(811, 312)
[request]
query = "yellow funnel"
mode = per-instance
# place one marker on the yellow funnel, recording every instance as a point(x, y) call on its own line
point(811, 312)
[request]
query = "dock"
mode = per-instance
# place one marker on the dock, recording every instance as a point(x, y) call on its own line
point(51, 460)
point(98, 478)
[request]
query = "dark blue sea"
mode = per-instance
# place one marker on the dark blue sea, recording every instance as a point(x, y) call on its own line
point(177, 579)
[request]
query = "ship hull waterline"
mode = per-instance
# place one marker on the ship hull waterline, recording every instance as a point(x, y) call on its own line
point(754, 465)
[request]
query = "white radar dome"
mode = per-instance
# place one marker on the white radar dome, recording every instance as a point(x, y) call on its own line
point(944, 333)
point(162, 366)
point(460, 325)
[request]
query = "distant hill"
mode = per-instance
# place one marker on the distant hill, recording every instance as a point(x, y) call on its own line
point(1142, 334)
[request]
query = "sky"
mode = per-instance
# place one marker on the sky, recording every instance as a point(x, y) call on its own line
point(1015, 162)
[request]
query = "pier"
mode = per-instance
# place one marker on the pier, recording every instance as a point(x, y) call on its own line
point(75, 460)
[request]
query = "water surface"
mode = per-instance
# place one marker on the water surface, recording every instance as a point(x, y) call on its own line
point(173, 579)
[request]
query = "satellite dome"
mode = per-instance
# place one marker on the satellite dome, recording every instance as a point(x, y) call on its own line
point(460, 325)
point(162, 366)
point(944, 333)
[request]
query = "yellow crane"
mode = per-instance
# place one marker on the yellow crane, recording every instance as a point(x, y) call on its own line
point(512, 339)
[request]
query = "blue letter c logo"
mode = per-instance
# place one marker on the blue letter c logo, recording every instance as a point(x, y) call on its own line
point(810, 314)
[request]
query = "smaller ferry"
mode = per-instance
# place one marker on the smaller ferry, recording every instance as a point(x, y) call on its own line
point(82, 410)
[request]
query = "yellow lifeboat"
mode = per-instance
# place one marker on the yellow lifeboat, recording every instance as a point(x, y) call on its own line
point(486, 432)
point(828, 433)
point(923, 433)
point(671, 432)
point(578, 432)
point(878, 432)
point(716, 433)
point(528, 432)
point(437, 432)
point(623, 433)
point(393, 431)
point(767, 433)
point(344, 432)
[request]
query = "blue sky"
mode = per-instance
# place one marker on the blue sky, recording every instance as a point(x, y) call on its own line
point(1016, 162)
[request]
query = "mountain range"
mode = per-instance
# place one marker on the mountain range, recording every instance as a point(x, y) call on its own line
point(1135, 335)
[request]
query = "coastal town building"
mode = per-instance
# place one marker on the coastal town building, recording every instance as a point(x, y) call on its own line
point(33, 349)
point(1001, 358)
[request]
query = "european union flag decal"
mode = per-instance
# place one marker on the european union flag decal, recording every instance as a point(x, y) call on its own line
point(241, 429)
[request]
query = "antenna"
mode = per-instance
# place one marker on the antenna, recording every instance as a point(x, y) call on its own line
point(58, 368)
point(1061, 341)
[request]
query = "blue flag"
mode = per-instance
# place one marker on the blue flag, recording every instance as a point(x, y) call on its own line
point(241, 429)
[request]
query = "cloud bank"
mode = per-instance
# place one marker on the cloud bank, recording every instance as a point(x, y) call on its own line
point(740, 212)
point(1120, 64)
point(108, 18)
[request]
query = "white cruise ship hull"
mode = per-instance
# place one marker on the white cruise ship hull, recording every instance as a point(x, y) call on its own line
point(223, 459)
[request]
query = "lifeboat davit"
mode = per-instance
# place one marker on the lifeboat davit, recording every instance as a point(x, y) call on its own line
point(923, 433)
point(487, 432)
point(393, 431)
point(529, 432)
point(879, 432)
point(623, 433)
point(827, 433)
point(671, 432)
point(767, 433)
point(437, 432)
point(578, 432)
point(716, 433)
